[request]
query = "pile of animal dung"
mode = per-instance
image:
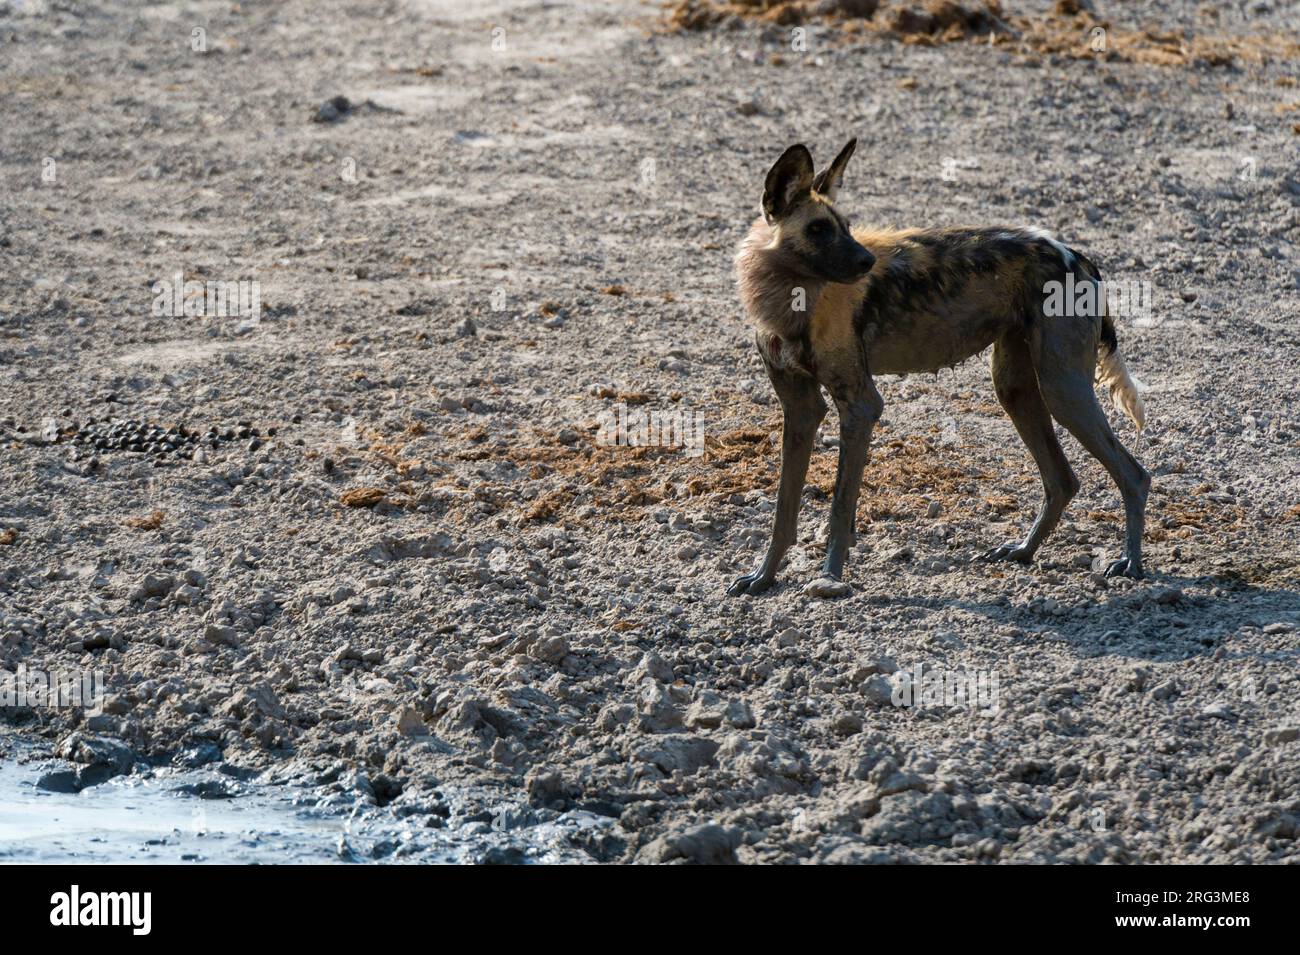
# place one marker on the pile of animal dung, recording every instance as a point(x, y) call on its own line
point(1072, 28)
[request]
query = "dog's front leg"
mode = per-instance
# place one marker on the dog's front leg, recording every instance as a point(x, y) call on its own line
point(859, 410)
point(801, 400)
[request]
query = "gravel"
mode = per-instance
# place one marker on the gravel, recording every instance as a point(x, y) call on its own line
point(433, 573)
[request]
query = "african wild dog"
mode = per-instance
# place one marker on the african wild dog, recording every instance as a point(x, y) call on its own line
point(917, 300)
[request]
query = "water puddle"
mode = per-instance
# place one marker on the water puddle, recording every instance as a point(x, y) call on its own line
point(179, 816)
point(134, 820)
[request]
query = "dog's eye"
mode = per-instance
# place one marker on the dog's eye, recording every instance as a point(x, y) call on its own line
point(819, 229)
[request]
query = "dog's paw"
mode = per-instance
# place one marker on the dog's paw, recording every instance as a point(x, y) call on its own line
point(752, 584)
point(827, 587)
point(1016, 552)
point(1125, 567)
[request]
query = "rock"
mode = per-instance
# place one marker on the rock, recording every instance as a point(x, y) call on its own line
point(846, 724)
point(255, 702)
point(1219, 711)
point(1167, 595)
point(1281, 734)
point(911, 817)
point(651, 666)
point(95, 641)
point(408, 722)
point(827, 587)
point(197, 756)
point(59, 781)
point(333, 109)
point(210, 789)
point(791, 637)
point(1165, 690)
point(101, 758)
point(947, 640)
point(220, 636)
point(739, 715)
point(1278, 627)
point(186, 596)
point(710, 844)
point(657, 711)
point(706, 712)
point(614, 716)
point(546, 787)
point(153, 586)
point(549, 649)
point(502, 855)
point(867, 667)
point(346, 651)
point(878, 691)
point(679, 753)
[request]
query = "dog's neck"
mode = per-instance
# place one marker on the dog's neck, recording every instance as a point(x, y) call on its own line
point(769, 283)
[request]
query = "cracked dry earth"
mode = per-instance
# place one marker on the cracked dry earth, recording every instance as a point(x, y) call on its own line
point(431, 575)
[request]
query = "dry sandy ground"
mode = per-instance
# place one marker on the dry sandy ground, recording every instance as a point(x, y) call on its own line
point(515, 608)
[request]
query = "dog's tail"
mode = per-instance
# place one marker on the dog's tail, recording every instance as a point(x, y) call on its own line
point(1125, 390)
point(1112, 373)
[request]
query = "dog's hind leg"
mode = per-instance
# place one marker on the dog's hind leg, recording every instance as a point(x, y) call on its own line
point(1017, 389)
point(1073, 402)
point(804, 407)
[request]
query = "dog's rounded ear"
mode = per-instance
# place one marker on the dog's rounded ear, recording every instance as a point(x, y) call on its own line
point(828, 180)
point(789, 179)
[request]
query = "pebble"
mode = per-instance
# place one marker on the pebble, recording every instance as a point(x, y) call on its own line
point(408, 722)
point(333, 109)
point(791, 637)
point(878, 691)
point(1218, 711)
point(220, 636)
point(827, 587)
point(1165, 691)
point(550, 649)
point(846, 724)
point(709, 844)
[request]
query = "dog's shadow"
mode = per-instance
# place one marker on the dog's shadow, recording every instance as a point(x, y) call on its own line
point(1165, 618)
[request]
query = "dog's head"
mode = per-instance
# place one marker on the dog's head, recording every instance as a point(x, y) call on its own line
point(807, 229)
